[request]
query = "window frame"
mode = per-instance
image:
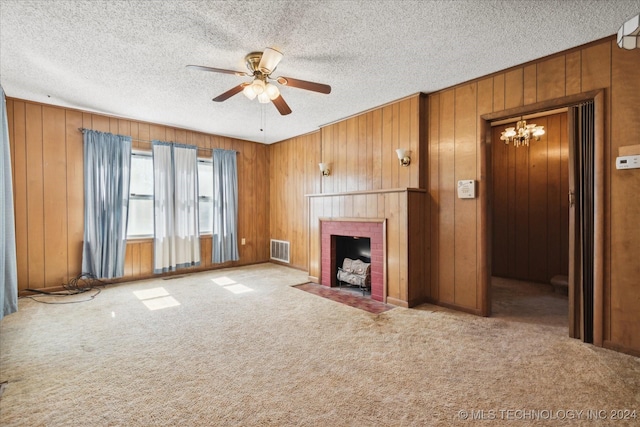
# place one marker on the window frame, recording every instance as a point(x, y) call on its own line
point(210, 199)
point(133, 196)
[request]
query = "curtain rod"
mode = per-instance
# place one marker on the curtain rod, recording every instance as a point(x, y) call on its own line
point(151, 142)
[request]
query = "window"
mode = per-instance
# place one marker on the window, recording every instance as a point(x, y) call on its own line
point(205, 195)
point(140, 222)
point(141, 196)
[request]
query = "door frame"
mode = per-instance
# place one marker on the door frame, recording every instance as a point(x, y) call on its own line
point(575, 304)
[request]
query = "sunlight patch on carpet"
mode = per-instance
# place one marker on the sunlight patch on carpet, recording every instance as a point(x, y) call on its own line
point(231, 285)
point(155, 299)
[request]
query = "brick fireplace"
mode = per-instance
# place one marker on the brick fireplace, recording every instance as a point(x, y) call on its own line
point(374, 230)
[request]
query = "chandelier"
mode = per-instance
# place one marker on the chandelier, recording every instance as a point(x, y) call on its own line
point(522, 133)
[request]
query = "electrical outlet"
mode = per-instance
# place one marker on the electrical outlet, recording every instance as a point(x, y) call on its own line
point(243, 241)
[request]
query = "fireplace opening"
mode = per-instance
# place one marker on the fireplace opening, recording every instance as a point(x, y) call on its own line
point(354, 249)
point(359, 240)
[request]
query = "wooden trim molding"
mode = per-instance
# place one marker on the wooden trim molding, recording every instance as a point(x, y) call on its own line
point(598, 97)
point(364, 192)
point(565, 101)
point(598, 220)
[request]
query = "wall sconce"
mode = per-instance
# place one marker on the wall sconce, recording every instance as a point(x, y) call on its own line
point(403, 156)
point(324, 168)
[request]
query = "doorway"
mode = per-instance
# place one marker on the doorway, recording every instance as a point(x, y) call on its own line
point(530, 222)
point(585, 235)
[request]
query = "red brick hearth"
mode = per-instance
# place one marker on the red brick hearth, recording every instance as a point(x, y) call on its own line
point(372, 230)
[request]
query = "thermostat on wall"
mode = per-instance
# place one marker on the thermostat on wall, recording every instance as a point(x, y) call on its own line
point(466, 189)
point(628, 162)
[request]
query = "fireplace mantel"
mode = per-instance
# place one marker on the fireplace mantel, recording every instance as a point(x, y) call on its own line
point(406, 249)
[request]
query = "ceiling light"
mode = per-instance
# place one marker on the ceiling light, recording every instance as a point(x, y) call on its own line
point(258, 86)
point(249, 92)
point(269, 60)
point(263, 98)
point(629, 34)
point(522, 133)
point(272, 91)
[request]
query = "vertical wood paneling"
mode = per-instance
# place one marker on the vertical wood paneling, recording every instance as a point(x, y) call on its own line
point(35, 196)
point(294, 172)
point(596, 67)
point(20, 194)
point(498, 91)
point(573, 70)
point(530, 84)
point(447, 194)
point(513, 87)
point(530, 237)
point(362, 152)
point(500, 206)
point(465, 210)
point(387, 144)
point(434, 191)
point(538, 207)
point(623, 292)
point(551, 78)
point(376, 118)
point(55, 195)
point(521, 212)
point(404, 141)
point(361, 149)
point(351, 143)
point(554, 251)
point(75, 191)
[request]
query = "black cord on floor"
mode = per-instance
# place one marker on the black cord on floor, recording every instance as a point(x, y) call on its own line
point(80, 284)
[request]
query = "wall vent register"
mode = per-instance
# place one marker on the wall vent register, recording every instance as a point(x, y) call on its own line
point(280, 250)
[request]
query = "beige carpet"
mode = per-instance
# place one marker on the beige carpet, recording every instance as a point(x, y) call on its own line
point(242, 347)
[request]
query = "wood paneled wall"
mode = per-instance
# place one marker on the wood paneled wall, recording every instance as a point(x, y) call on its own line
point(294, 172)
point(530, 204)
point(361, 154)
point(361, 150)
point(47, 161)
point(457, 143)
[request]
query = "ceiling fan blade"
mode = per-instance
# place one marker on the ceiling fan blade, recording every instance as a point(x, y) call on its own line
point(281, 105)
point(303, 84)
point(228, 94)
point(217, 70)
point(269, 60)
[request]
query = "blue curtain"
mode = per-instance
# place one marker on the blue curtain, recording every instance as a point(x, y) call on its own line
point(8, 265)
point(107, 163)
point(225, 206)
point(176, 242)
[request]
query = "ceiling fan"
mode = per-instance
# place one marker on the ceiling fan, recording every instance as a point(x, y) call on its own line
point(261, 65)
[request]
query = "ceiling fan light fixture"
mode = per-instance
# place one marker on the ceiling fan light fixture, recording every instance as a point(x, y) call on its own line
point(258, 86)
point(263, 98)
point(269, 60)
point(249, 92)
point(272, 91)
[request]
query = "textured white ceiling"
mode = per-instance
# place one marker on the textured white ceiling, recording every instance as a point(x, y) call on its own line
point(128, 58)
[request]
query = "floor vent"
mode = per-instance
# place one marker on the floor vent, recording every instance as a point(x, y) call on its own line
point(280, 250)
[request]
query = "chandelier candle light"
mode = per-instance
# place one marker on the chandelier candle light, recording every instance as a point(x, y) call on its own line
point(522, 133)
